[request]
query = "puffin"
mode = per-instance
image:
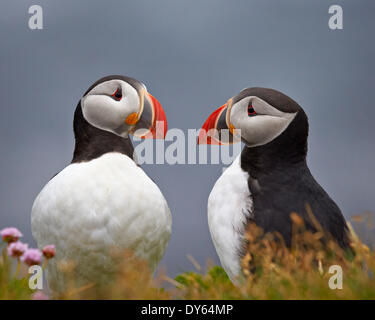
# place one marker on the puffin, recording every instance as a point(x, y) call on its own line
point(270, 178)
point(103, 202)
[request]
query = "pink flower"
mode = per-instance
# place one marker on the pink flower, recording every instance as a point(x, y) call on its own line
point(16, 249)
point(39, 295)
point(49, 251)
point(10, 234)
point(32, 257)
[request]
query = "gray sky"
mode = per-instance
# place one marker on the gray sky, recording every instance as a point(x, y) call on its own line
point(192, 56)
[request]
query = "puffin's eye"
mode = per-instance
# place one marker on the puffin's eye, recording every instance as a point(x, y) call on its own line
point(118, 94)
point(251, 111)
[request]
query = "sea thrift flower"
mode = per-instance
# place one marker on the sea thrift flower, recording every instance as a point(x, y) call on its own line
point(10, 234)
point(49, 251)
point(32, 257)
point(39, 295)
point(17, 249)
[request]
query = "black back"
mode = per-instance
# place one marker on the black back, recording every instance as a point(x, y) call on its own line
point(280, 183)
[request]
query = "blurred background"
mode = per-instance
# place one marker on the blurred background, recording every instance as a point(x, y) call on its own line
point(192, 56)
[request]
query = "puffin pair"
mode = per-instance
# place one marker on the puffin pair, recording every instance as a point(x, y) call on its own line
point(104, 200)
point(269, 180)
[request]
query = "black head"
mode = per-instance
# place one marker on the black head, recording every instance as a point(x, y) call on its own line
point(272, 125)
point(111, 109)
point(288, 144)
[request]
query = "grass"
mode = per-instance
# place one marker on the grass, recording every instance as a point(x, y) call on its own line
point(11, 287)
point(271, 271)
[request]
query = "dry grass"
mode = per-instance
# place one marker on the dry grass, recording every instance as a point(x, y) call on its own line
point(274, 271)
point(133, 281)
point(271, 271)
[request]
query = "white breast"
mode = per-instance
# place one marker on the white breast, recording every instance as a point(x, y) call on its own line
point(229, 205)
point(91, 207)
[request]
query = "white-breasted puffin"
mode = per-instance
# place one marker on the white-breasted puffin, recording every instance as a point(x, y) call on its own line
point(269, 180)
point(103, 200)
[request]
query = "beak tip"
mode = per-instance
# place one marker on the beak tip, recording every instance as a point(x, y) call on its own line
point(210, 124)
point(160, 119)
point(202, 136)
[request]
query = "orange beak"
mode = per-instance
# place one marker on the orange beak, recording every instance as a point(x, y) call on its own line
point(152, 123)
point(159, 126)
point(206, 135)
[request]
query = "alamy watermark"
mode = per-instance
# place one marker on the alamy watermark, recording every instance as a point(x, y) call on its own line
point(36, 278)
point(181, 148)
point(36, 18)
point(334, 282)
point(335, 21)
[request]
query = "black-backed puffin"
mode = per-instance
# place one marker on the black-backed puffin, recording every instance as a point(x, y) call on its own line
point(269, 180)
point(103, 200)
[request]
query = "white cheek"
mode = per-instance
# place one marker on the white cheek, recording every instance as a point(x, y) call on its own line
point(268, 124)
point(103, 112)
point(262, 129)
